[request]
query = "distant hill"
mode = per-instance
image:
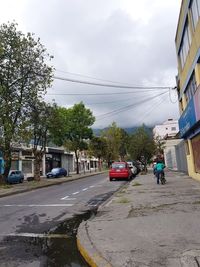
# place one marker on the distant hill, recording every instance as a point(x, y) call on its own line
point(129, 130)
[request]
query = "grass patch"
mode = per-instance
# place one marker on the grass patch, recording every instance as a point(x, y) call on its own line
point(5, 186)
point(136, 184)
point(123, 200)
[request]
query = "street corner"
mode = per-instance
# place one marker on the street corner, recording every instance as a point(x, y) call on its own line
point(88, 249)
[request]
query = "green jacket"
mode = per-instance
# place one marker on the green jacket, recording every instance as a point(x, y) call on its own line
point(160, 166)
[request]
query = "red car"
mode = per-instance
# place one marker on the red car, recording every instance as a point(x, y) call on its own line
point(120, 170)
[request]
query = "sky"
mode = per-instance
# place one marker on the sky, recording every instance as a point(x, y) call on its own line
point(128, 44)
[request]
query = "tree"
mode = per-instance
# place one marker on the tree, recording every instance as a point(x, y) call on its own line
point(76, 130)
point(159, 146)
point(124, 142)
point(24, 76)
point(141, 145)
point(113, 137)
point(98, 147)
point(41, 122)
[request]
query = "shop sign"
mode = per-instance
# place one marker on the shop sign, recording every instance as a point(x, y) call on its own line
point(197, 103)
point(187, 119)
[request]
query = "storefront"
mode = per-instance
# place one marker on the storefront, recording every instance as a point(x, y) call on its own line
point(189, 124)
point(53, 158)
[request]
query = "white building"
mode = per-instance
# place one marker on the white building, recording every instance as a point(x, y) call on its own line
point(169, 128)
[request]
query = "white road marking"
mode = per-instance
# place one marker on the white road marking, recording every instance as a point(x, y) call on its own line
point(84, 189)
point(69, 198)
point(75, 193)
point(37, 235)
point(37, 205)
point(63, 198)
point(91, 186)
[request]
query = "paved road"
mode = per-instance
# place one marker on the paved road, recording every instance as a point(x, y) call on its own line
point(38, 211)
point(29, 219)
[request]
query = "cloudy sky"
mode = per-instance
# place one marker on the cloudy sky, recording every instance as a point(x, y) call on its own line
point(125, 43)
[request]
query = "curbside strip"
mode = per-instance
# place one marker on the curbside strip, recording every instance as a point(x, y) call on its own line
point(88, 250)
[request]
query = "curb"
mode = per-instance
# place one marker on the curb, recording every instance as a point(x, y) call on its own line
point(91, 254)
point(47, 185)
point(85, 245)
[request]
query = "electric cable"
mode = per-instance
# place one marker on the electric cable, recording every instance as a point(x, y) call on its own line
point(122, 109)
point(170, 96)
point(148, 111)
point(94, 94)
point(111, 85)
point(87, 76)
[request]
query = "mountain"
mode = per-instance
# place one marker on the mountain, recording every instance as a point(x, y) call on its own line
point(129, 130)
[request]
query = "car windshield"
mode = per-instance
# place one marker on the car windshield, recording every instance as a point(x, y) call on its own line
point(118, 165)
point(55, 170)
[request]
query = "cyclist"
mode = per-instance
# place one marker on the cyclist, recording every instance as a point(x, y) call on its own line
point(159, 170)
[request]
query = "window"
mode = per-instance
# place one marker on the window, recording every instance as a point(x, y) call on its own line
point(173, 128)
point(195, 13)
point(185, 45)
point(191, 88)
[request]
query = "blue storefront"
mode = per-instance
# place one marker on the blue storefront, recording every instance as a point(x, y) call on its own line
point(189, 125)
point(187, 120)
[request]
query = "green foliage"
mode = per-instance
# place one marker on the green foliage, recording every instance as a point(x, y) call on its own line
point(113, 136)
point(40, 123)
point(141, 145)
point(24, 77)
point(98, 147)
point(73, 129)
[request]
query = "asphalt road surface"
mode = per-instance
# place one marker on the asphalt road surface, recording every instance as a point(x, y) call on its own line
point(38, 227)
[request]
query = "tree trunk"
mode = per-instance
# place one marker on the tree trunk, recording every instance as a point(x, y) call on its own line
point(99, 163)
point(77, 165)
point(37, 164)
point(7, 162)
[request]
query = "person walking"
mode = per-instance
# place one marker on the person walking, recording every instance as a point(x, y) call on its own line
point(159, 169)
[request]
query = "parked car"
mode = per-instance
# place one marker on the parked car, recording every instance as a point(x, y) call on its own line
point(15, 176)
point(132, 168)
point(56, 172)
point(120, 170)
point(138, 165)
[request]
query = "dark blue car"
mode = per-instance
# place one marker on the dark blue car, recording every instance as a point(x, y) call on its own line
point(57, 172)
point(15, 176)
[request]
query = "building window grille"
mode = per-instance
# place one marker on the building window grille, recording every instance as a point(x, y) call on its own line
point(191, 88)
point(195, 11)
point(185, 45)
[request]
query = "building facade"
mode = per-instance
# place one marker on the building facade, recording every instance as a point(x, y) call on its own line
point(188, 81)
point(168, 128)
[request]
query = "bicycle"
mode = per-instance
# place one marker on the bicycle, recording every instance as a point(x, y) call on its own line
point(162, 178)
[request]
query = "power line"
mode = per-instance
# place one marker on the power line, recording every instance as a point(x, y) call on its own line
point(112, 93)
point(149, 110)
point(87, 76)
point(122, 109)
point(112, 85)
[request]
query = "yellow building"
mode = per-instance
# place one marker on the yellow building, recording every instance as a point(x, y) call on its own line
point(188, 81)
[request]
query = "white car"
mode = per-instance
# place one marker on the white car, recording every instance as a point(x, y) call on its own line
point(132, 167)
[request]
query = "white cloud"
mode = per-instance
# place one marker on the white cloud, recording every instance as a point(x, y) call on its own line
point(127, 41)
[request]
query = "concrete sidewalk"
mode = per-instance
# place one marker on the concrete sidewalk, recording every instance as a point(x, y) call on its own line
point(6, 190)
point(146, 224)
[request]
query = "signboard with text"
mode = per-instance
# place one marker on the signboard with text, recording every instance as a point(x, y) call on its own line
point(187, 119)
